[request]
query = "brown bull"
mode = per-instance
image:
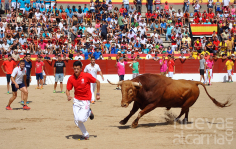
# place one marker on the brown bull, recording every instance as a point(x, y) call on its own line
point(149, 91)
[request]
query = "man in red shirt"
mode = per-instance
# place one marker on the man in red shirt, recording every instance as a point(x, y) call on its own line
point(211, 15)
point(39, 72)
point(122, 9)
point(173, 41)
point(82, 96)
point(216, 43)
point(8, 65)
point(148, 17)
point(198, 46)
point(196, 20)
point(171, 67)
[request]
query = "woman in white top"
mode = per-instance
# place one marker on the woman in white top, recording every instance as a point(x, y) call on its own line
point(110, 6)
point(210, 5)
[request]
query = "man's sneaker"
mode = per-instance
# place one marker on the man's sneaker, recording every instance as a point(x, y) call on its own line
point(8, 108)
point(25, 107)
point(92, 102)
point(83, 138)
point(22, 102)
point(8, 92)
point(54, 91)
point(91, 115)
point(44, 84)
point(62, 92)
point(117, 88)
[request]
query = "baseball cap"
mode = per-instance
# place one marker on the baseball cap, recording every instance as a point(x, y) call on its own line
point(197, 42)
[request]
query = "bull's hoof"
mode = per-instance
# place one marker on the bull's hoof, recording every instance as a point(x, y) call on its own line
point(185, 121)
point(134, 124)
point(122, 122)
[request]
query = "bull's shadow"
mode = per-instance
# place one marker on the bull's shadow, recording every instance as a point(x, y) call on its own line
point(148, 125)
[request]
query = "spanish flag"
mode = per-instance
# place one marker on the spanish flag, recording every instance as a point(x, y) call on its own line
point(203, 29)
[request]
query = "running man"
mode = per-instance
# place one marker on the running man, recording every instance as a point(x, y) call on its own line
point(209, 69)
point(18, 78)
point(171, 67)
point(82, 95)
point(121, 69)
point(59, 73)
point(93, 69)
point(7, 68)
point(28, 66)
point(39, 72)
point(229, 64)
point(202, 68)
point(135, 67)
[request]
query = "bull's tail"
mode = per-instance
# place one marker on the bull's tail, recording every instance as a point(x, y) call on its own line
point(218, 104)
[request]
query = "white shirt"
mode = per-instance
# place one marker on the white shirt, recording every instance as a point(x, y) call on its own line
point(92, 70)
point(126, 1)
point(37, 15)
point(22, 41)
point(18, 74)
point(6, 47)
point(90, 30)
point(197, 7)
point(142, 31)
point(225, 2)
point(148, 56)
point(79, 57)
point(2, 28)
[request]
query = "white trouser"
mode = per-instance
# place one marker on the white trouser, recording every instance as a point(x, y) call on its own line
point(81, 110)
point(208, 77)
point(23, 10)
point(229, 72)
point(170, 74)
point(92, 88)
point(135, 75)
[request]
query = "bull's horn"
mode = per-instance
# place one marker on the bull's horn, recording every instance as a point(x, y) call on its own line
point(115, 83)
point(137, 84)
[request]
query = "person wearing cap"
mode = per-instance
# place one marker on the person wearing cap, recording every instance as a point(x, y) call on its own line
point(207, 22)
point(230, 69)
point(198, 46)
point(225, 34)
point(121, 69)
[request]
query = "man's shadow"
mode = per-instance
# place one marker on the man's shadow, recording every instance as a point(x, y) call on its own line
point(76, 137)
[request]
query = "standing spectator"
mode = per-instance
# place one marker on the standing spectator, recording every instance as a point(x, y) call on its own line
point(225, 3)
point(138, 4)
point(209, 69)
point(7, 6)
point(59, 73)
point(39, 72)
point(229, 64)
point(135, 67)
point(163, 67)
point(230, 45)
point(7, 68)
point(18, 78)
point(171, 67)
point(126, 4)
point(202, 68)
point(93, 69)
point(121, 21)
point(121, 69)
point(149, 5)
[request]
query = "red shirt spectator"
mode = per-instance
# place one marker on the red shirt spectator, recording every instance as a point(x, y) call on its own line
point(196, 20)
point(9, 66)
point(211, 15)
point(198, 45)
point(173, 39)
point(198, 14)
point(24, 47)
point(148, 15)
point(39, 67)
point(216, 44)
point(122, 10)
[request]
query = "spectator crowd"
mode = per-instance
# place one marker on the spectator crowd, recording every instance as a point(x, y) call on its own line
point(42, 27)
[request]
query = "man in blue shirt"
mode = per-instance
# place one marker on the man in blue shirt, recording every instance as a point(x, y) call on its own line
point(85, 8)
point(168, 31)
point(82, 27)
point(97, 54)
point(207, 22)
point(69, 14)
point(27, 9)
point(67, 9)
point(42, 9)
point(86, 54)
point(2, 35)
point(163, 27)
point(22, 5)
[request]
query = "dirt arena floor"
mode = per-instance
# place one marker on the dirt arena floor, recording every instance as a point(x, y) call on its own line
point(49, 124)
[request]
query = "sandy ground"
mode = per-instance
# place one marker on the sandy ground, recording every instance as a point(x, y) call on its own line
point(49, 124)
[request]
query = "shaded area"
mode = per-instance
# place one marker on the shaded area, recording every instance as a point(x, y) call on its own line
point(76, 137)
